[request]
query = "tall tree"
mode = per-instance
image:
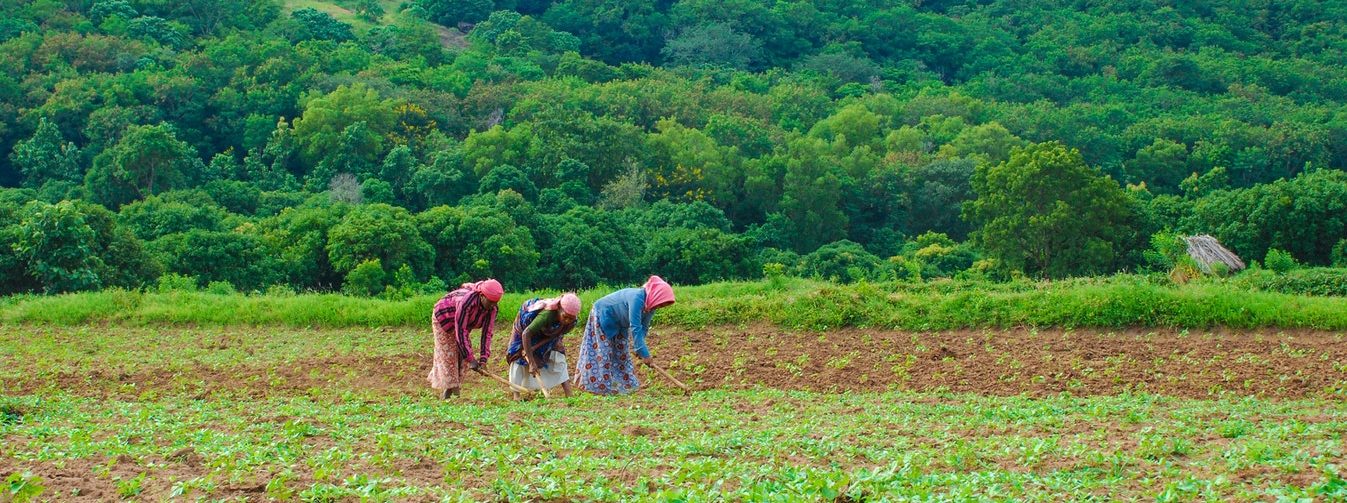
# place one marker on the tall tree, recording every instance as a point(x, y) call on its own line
point(812, 196)
point(46, 156)
point(1047, 213)
point(146, 160)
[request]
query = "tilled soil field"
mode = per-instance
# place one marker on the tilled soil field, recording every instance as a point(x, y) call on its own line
point(98, 413)
point(1273, 364)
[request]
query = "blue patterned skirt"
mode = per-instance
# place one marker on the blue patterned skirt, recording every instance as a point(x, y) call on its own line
point(606, 365)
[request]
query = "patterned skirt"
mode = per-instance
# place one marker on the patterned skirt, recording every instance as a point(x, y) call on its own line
point(605, 365)
point(446, 368)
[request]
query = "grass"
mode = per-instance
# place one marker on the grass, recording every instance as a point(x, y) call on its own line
point(1122, 301)
point(344, 11)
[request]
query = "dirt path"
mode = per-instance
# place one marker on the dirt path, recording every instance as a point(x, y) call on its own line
point(1269, 364)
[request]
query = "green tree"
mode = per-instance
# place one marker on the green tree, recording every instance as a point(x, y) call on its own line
point(57, 247)
point(695, 256)
point(508, 177)
point(298, 238)
point(369, 10)
point(47, 156)
point(311, 24)
point(812, 197)
point(578, 249)
point(157, 29)
point(478, 241)
point(126, 262)
point(1304, 216)
point(612, 30)
point(366, 280)
point(1047, 213)
point(451, 12)
point(146, 160)
point(240, 259)
point(844, 261)
point(444, 181)
point(329, 129)
point(852, 126)
point(713, 44)
point(939, 190)
point(990, 142)
point(378, 231)
point(1163, 165)
point(155, 216)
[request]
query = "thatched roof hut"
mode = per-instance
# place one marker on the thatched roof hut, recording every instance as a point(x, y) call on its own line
point(1206, 250)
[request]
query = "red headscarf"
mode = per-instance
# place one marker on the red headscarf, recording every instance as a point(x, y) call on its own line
point(657, 293)
point(490, 289)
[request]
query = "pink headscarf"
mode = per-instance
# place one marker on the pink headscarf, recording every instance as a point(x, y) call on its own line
point(490, 289)
point(657, 293)
point(569, 303)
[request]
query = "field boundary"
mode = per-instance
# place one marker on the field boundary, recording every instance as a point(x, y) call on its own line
point(788, 303)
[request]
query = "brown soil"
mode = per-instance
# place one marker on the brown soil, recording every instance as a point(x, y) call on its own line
point(1021, 361)
point(995, 362)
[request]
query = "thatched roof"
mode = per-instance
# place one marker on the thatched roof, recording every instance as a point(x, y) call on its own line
point(1206, 250)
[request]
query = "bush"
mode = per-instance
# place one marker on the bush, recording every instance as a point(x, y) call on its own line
point(366, 280)
point(1339, 255)
point(280, 291)
point(173, 282)
point(221, 288)
point(844, 261)
point(1326, 281)
point(1280, 261)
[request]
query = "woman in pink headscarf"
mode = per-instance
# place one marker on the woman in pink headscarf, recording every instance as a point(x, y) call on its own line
point(471, 306)
point(616, 328)
point(536, 352)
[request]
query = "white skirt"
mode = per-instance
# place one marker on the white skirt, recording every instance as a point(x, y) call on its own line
point(551, 377)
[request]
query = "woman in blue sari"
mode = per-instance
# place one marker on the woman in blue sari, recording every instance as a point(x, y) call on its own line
point(616, 328)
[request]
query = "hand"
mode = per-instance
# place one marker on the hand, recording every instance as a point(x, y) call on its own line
point(648, 360)
point(475, 364)
point(533, 368)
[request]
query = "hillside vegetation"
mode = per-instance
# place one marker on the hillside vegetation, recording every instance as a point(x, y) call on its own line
point(370, 146)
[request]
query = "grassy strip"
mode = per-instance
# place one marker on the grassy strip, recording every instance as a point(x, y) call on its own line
point(795, 303)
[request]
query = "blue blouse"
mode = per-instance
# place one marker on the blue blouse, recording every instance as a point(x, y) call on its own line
point(621, 312)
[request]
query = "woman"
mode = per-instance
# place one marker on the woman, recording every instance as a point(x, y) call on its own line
point(540, 325)
point(605, 366)
point(471, 306)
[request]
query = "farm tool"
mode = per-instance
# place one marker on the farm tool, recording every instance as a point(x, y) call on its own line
point(665, 373)
point(541, 386)
point(501, 380)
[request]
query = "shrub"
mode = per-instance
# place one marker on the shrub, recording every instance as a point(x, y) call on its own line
point(1324, 281)
point(844, 261)
point(1280, 261)
point(221, 288)
point(173, 282)
point(366, 280)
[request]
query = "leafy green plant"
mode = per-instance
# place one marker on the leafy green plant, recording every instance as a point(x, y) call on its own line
point(172, 282)
point(128, 488)
point(221, 288)
point(1280, 261)
point(21, 487)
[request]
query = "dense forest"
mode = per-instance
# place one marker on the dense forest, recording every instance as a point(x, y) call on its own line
point(377, 147)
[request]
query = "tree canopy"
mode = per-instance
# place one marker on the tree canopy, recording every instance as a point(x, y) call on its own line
point(568, 143)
